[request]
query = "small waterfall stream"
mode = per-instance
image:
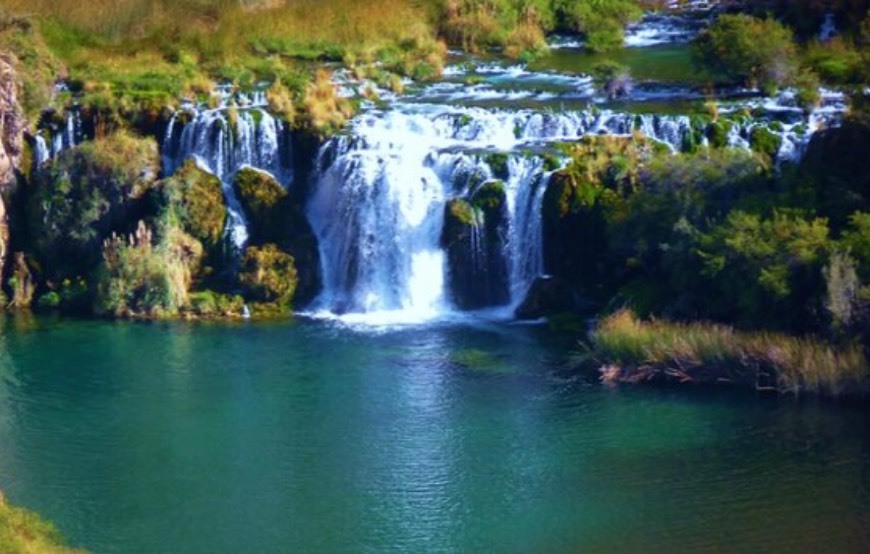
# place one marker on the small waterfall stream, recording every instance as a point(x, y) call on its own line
point(222, 141)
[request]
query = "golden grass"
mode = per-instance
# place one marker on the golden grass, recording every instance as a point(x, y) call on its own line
point(706, 352)
point(24, 532)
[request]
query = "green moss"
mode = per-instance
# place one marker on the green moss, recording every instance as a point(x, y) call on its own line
point(718, 131)
point(268, 275)
point(763, 141)
point(36, 67)
point(198, 198)
point(80, 198)
point(48, 301)
point(210, 304)
point(551, 162)
point(489, 196)
point(498, 163)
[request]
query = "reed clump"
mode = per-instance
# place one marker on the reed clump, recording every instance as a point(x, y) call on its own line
point(631, 350)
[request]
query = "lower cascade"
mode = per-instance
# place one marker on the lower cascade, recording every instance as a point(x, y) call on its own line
point(424, 208)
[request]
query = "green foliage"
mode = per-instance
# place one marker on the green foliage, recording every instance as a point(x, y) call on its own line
point(268, 275)
point(141, 277)
point(37, 68)
point(744, 49)
point(602, 21)
point(498, 164)
point(197, 199)
point(209, 304)
point(837, 61)
point(765, 142)
point(84, 195)
point(767, 267)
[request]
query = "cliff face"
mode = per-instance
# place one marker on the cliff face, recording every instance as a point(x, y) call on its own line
point(11, 136)
point(12, 121)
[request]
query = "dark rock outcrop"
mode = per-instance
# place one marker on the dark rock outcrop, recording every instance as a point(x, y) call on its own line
point(546, 297)
point(275, 216)
point(475, 237)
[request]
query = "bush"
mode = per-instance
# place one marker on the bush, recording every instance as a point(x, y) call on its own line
point(197, 198)
point(141, 279)
point(747, 50)
point(83, 196)
point(268, 274)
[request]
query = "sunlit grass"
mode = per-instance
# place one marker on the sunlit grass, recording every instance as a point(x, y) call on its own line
point(639, 350)
point(24, 532)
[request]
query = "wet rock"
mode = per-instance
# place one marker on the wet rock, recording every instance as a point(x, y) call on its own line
point(547, 296)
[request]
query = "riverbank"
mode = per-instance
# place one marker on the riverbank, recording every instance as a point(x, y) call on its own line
point(632, 351)
point(24, 532)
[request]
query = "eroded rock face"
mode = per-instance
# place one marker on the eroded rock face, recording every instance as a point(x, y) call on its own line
point(4, 240)
point(12, 121)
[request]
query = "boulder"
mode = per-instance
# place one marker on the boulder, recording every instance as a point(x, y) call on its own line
point(547, 296)
point(275, 216)
point(475, 237)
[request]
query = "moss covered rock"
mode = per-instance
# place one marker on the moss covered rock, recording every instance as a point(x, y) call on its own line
point(265, 202)
point(268, 275)
point(86, 194)
point(718, 131)
point(198, 197)
point(766, 142)
point(275, 216)
point(475, 236)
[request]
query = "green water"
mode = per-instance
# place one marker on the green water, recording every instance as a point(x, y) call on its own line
point(671, 63)
point(308, 437)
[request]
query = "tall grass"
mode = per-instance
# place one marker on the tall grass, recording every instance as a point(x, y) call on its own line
point(631, 350)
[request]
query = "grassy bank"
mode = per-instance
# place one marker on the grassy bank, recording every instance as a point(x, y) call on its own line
point(24, 532)
point(633, 351)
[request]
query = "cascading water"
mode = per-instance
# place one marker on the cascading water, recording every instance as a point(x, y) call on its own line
point(380, 192)
point(222, 141)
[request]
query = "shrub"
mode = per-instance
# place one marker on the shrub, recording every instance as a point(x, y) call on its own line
point(83, 196)
point(197, 198)
point(324, 110)
point(751, 51)
point(141, 279)
point(268, 274)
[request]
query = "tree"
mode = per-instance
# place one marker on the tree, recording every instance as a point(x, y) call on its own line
point(748, 50)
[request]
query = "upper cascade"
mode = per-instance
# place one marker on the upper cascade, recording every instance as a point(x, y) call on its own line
point(222, 141)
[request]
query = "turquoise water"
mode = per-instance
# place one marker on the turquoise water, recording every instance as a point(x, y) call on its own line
point(311, 437)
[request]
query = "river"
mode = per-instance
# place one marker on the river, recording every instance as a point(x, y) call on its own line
point(461, 436)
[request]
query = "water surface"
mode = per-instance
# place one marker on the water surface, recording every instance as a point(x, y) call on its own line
point(459, 437)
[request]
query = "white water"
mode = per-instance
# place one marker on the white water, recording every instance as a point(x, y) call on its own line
point(379, 190)
point(222, 145)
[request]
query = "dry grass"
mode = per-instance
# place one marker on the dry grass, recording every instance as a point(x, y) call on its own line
point(709, 353)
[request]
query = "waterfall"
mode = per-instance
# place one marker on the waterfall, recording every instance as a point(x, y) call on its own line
point(380, 191)
point(222, 141)
point(526, 185)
